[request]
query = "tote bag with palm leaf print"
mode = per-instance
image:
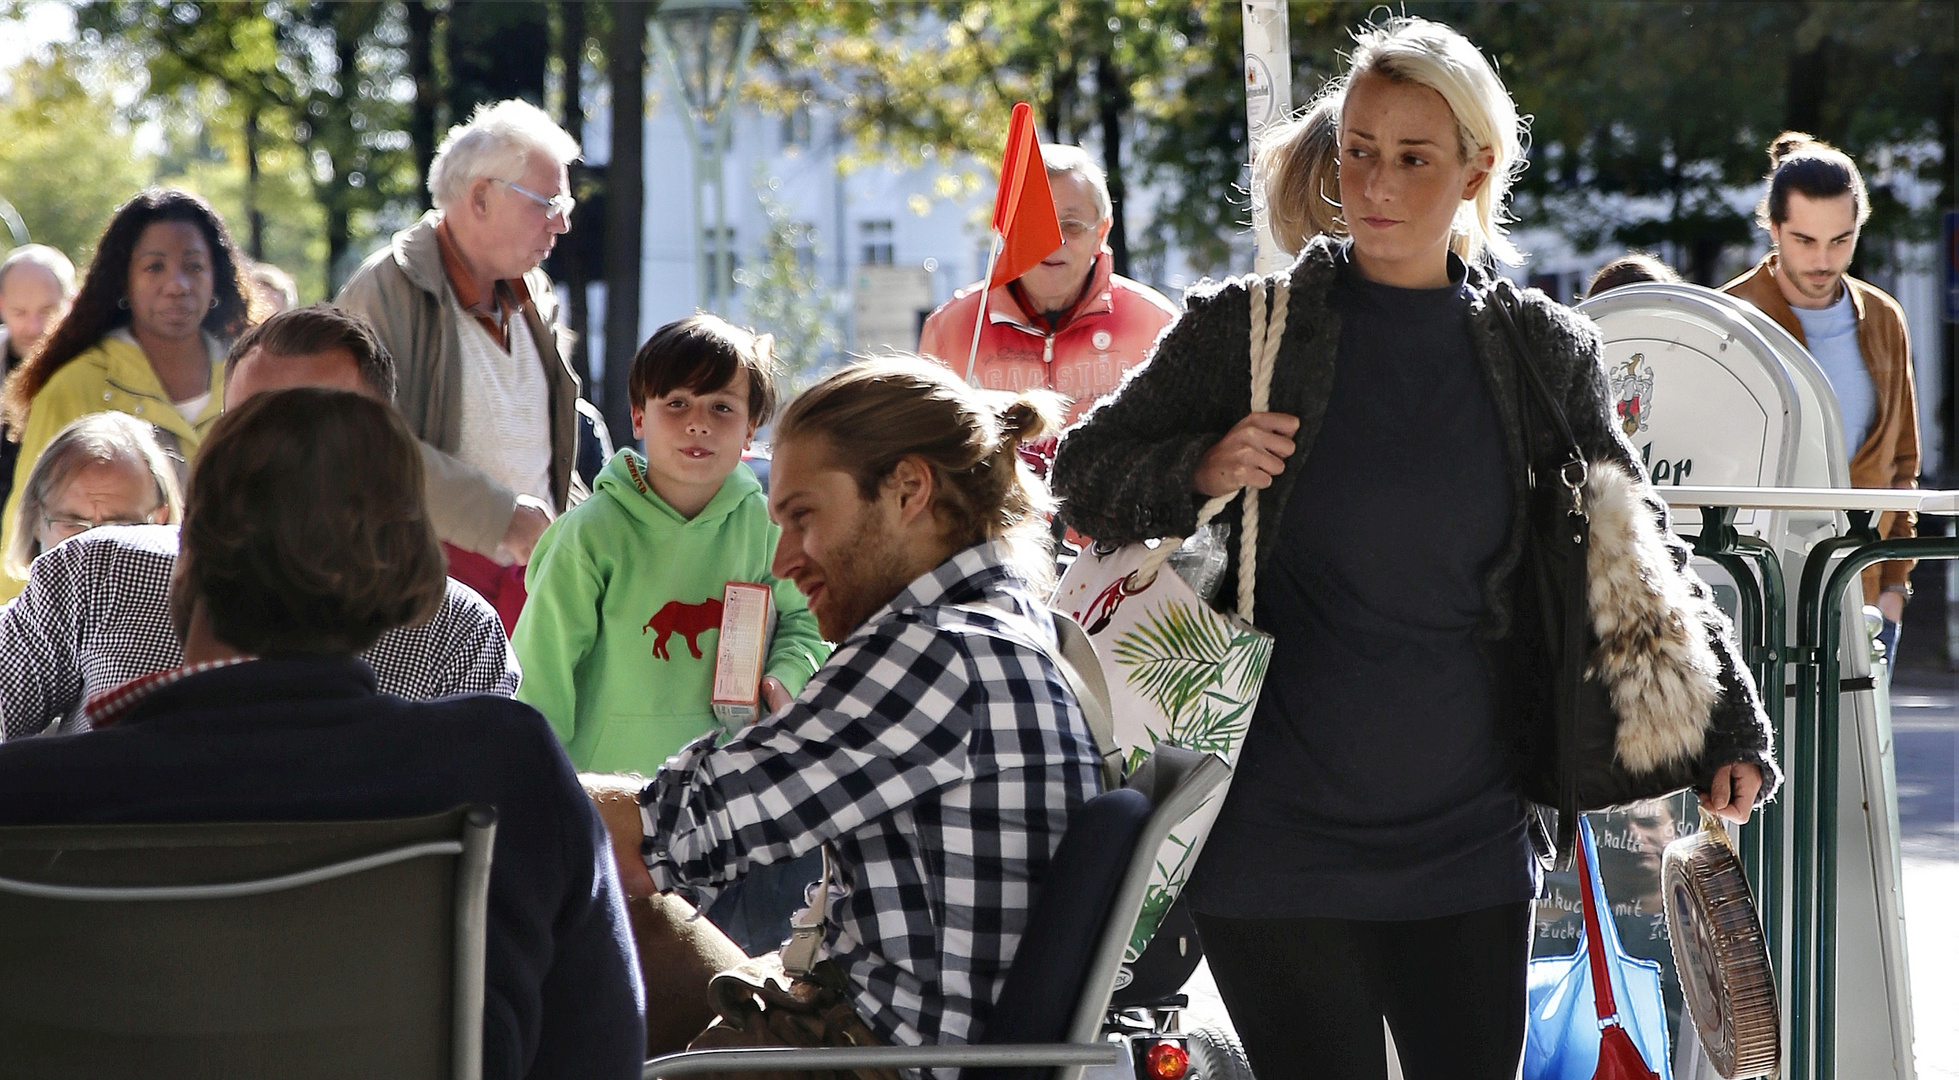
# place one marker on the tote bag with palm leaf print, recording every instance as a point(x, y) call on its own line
point(1179, 671)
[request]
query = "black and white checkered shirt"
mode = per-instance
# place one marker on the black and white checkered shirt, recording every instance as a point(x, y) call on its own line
point(939, 753)
point(96, 614)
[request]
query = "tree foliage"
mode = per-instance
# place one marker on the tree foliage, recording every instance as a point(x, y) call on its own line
point(327, 78)
point(936, 81)
point(70, 159)
point(786, 296)
point(1651, 119)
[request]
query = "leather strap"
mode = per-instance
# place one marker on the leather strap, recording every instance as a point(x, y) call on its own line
point(807, 927)
point(1594, 936)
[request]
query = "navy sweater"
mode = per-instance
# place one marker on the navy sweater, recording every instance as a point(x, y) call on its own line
point(1374, 783)
point(311, 740)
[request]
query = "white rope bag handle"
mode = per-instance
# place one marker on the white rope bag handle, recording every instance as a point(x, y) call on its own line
point(1267, 332)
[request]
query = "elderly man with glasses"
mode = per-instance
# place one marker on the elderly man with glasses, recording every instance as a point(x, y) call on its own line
point(460, 301)
point(1071, 324)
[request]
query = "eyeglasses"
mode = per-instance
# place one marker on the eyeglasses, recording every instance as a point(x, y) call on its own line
point(552, 204)
point(65, 528)
point(1073, 229)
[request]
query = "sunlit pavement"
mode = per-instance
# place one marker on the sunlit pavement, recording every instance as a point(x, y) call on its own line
point(1925, 725)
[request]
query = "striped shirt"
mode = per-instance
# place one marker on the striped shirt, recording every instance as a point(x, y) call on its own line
point(96, 614)
point(939, 753)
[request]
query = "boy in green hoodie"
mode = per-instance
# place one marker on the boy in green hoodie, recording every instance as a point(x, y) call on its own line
point(618, 638)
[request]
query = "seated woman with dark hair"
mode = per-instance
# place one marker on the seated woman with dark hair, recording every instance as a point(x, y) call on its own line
point(305, 538)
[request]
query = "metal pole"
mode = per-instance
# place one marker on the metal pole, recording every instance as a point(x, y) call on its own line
point(1770, 859)
point(723, 136)
point(1268, 97)
point(1807, 910)
point(697, 159)
point(1830, 625)
point(1763, 629)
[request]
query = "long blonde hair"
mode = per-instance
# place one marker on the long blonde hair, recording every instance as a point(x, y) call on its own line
point(1296, 159)
point(880, 410)
point(1415, 50)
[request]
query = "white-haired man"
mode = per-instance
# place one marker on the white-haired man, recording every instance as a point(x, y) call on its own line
point(37, 283)
point(472, 322)
point(1071, 324)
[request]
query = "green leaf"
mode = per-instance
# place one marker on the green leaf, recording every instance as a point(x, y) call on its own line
point(1174, 657)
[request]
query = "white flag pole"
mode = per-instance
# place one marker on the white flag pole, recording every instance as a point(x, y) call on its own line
point(979, 320)
point(1268, 97)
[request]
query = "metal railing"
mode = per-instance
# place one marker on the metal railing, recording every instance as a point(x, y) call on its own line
point(1803, 882)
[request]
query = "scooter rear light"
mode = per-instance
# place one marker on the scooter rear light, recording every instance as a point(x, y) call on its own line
point(1166, 1061)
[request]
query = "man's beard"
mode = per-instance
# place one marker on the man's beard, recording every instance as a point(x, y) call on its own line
point(867, 571)
point(1821, 289)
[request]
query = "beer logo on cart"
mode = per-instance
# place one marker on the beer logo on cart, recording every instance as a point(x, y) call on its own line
point(1632, 394)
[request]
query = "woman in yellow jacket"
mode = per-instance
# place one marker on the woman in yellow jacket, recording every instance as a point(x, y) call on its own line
point(146, 336)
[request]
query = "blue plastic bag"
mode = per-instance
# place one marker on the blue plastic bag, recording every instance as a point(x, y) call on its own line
point(1562, 1039)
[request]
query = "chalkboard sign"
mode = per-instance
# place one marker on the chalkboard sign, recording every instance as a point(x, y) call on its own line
point(1629, 845)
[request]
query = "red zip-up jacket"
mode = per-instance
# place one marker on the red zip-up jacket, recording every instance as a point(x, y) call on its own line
point(1108, 331)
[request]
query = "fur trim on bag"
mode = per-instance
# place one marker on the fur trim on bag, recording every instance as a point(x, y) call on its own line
point(1653, 655)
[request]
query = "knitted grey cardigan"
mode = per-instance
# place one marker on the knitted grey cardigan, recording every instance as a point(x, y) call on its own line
point(1124, 471)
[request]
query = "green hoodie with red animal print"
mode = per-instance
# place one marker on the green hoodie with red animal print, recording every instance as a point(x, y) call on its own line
point(617, 640)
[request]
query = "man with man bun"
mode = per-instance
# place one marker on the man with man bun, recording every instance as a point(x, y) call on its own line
point(939, 753)
point(1814, 208)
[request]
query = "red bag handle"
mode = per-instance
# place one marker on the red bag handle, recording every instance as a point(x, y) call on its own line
point(1594, 938)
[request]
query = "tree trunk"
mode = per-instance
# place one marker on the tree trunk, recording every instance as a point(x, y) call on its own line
point(421, 114)
point(1112, 98)
point(571, 54)
point(337, 244)
point(624, 207)
point(1808, 75)
point(254, 216)
point(1061, 94)
point(338, 125)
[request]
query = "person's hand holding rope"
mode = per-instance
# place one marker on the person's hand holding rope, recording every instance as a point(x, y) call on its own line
point(1249, 455)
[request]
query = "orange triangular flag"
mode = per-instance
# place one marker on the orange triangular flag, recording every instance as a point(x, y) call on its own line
point(1023, 211)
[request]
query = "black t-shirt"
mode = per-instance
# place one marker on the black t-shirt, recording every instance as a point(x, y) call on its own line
point(1373, 782)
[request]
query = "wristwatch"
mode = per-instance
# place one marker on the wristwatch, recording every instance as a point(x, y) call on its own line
point(1902, 588)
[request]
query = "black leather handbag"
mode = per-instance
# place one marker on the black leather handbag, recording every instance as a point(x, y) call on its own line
point(1569, 746)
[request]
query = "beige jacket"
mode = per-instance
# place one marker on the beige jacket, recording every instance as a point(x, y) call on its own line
point(1889, 456)
point(403, 291)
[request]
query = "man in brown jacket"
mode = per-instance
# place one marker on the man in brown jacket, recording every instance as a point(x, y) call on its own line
point(1815, 205)
point(458, 298)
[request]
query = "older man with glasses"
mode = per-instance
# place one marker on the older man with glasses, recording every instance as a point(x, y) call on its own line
point(460, 301)
point(1071, 324)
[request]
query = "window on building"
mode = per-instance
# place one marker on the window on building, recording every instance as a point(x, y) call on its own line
point(719, 263)
point(805, 242)
point(796, 127)
point(878, 249)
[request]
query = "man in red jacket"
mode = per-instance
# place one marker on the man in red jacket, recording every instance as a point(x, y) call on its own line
point(1071, 324)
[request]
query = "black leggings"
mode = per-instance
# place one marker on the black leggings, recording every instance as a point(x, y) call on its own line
point(1307, 995)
